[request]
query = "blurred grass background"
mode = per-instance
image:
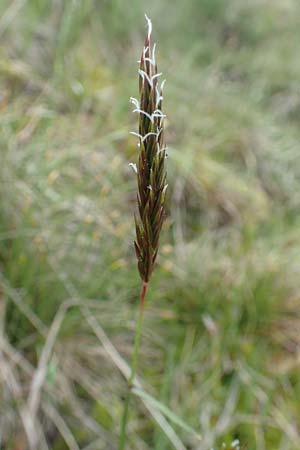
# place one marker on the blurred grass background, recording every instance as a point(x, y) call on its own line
point(221, 342)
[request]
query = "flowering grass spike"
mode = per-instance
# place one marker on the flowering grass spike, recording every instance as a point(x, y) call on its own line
point(151, 180)
point(151, 175)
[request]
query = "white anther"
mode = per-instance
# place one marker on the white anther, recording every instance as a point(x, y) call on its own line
point(149, 24)
point(136, 134)
point(135, 102)
point(134, 167)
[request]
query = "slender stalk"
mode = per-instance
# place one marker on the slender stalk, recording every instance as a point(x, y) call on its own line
point(151, 192)
point(137, 340)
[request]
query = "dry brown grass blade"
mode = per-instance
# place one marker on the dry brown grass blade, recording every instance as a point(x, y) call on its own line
point(61, 425)
point(14, 386)
point(23, 307)
point(38, 379)
point(62, 391)
point(125, 370)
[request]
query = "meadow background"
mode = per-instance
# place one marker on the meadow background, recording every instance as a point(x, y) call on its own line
point(221, 344)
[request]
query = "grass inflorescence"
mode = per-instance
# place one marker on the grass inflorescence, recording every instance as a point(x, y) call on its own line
point(151, 173)
point(151, 180)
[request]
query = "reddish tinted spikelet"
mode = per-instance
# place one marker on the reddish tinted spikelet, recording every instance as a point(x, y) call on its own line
point(151, 175)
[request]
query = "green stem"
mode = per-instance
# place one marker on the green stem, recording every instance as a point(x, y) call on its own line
point(137, 339)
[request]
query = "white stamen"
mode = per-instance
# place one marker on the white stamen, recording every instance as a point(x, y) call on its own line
point(153, 53)
point(162, 149)
point(158, 114)
point(162, 85)
point(136, 134)
point(152, 59)
point(133, 166)
point(158, 97)
point(159, 131)
point(145, 50)
point(158, 111)
point(145, 75)
point(135, 102)
point(149, 24)
point(140, 111)
point(156, 76)
point(151, 133)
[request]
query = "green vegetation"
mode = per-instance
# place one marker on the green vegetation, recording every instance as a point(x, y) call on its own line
point(220, 344)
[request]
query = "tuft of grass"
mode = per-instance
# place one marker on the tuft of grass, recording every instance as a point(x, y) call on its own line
point(225, 289)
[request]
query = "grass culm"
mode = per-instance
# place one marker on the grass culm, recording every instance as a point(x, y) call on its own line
point(151, 181)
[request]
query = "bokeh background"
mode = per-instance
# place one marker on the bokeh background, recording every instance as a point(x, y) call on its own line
point(221, 344)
